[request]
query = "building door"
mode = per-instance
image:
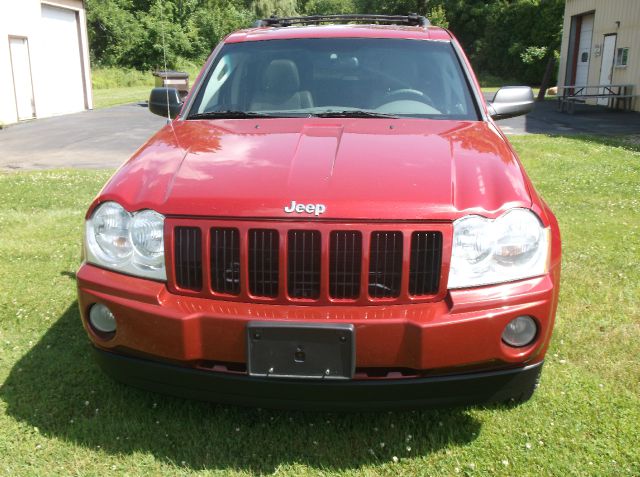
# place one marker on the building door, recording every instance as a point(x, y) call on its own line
point(606, 69)
point(584, 50)
point(63, 86)
point(21, 69)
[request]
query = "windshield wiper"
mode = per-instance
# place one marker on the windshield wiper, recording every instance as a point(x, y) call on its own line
point(356, 113)
point(231, 115)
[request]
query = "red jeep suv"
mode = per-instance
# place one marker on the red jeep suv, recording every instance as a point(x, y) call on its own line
point(331, 220)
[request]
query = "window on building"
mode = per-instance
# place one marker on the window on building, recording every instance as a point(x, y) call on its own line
point(622, 57)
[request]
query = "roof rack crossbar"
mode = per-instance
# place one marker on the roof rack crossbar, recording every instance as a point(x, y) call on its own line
point(412, 19)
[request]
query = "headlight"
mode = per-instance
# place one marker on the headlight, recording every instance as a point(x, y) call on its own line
point(128, 243)
point(147, 237)
point(111, 234)
point(512, 247)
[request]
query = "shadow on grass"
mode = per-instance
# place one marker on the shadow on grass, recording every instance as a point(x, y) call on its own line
point(612, 141)
point(57, 388)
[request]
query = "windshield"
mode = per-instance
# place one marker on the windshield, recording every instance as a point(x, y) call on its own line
point(343, 77)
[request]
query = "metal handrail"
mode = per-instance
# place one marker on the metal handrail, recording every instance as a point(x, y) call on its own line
point(607, 90)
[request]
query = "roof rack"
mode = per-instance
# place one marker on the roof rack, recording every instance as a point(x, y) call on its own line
point(412, 19)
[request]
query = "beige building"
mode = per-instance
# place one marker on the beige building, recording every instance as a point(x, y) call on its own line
point(44, 59)
point(601, 45)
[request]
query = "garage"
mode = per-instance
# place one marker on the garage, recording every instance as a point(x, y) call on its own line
point(44, 60)
point(65, 86)
point(601, 48)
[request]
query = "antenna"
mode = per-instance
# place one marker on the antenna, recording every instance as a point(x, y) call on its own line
point(164, 57)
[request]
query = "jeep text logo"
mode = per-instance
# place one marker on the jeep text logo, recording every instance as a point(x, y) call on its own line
point(315, 209)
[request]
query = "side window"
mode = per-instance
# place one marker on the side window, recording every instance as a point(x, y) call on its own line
point(453, 89)
point(622, 57)
point(217, 86)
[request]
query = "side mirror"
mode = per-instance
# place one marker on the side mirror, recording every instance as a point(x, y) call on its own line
point(511, 101)
point(165, 102)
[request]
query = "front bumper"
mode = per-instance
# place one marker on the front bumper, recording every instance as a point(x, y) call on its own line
point(469, 388)
point(433, 352)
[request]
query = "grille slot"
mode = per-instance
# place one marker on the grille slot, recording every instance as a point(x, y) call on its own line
point(304, 264)
point(426, 258)
point(344, 264)
point(385, 264)
point(264, 269)
point(225, 260)
point(188, 258)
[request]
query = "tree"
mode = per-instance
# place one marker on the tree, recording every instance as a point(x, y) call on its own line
point(392, 7)
point(516, 40)
point(113, 31)
point(327, 7)
point(438, 16)
point(519, 38)
point(139, 33)
point(266, 8)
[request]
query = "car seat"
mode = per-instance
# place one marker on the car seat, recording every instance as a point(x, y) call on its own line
point(281, 89)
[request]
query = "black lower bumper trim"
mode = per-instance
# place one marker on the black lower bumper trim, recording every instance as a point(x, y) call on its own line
point(411, 393)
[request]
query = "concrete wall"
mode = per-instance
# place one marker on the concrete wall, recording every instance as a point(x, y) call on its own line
point(22, 18)
point(607, 13)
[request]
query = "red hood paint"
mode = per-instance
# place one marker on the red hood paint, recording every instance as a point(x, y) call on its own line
point(414, 169)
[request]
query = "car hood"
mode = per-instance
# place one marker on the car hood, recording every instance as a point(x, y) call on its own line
point(397, 169)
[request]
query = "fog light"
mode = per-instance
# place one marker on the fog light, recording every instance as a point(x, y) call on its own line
point(520, 331)
point(102, 319)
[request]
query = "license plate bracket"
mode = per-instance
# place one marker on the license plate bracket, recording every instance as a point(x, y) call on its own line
point(300, 350)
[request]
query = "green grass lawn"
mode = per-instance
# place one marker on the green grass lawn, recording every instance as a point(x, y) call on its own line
point(104, 98)
point(115, 86)
point(60, 416)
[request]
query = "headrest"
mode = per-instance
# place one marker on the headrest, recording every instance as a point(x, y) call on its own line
point(281, 76)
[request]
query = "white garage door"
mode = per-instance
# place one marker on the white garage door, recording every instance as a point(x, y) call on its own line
point(63, 86)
